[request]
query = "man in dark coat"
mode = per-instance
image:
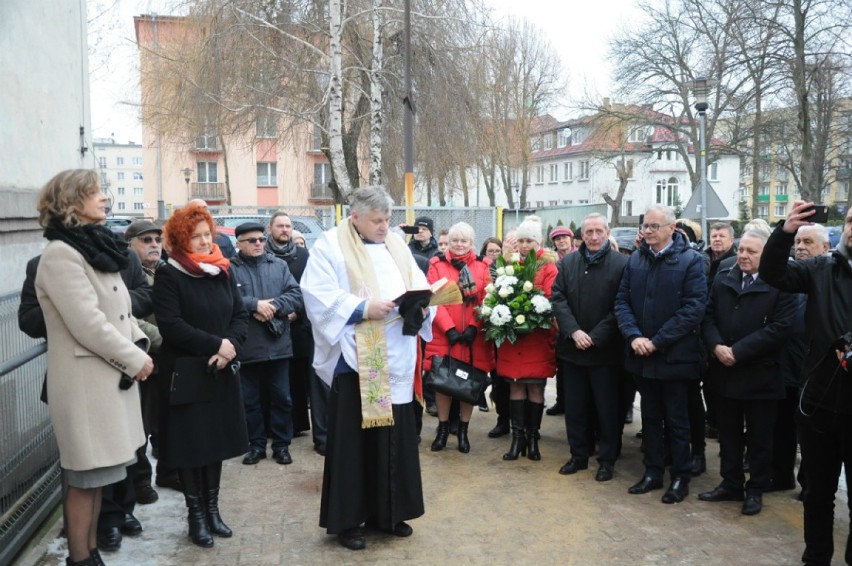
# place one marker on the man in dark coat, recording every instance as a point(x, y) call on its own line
point(745, 327)
point(423, 243)
point(590, 346)
point(825, 409)
point(304, 382)
point(271, 295)
point(659, 308)
point(721, 247)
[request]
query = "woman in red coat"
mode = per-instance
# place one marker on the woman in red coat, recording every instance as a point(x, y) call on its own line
point(532, 358)
point(456, 330)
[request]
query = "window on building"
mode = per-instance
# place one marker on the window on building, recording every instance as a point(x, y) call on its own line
point(554, 172)
point(566, 202)
point(564, 137)
point(104, 178)
point(780, 210)
point(539, 204)
point(102, 162)
point(120, 191)
point(207, 171)
point(843, 191)
point(781, 189)
point(763, 189)
point(668, 155)
point(120, 175)
point(137, 161)
point(713, 171)
point(554, 203)
point(578, 136)
point(535, 143)
point(583, 201)
point(137, 176)
point(765, 171)
point(568, 171)
point(138, 206)
point(583, 172)
point(539, 174)
point(267, 126)
point(119, 161)
point(322, 173)
point(267, 174)
point(762, 210)
point(548, 141)
point(627, 208)
point(667, 192)
point(120, 206)
point(638, 134)
point(138, 191)
point(628, 166)
point(207, 138)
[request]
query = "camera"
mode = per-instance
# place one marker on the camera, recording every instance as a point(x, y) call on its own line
point(410, 229)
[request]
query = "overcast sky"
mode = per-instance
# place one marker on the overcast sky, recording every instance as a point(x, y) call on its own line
point(578, 30)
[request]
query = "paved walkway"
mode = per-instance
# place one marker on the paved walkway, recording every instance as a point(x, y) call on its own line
point(479, 510)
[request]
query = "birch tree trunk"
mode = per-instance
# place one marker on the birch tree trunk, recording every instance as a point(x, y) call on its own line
point(335, 100)
point(376, 99)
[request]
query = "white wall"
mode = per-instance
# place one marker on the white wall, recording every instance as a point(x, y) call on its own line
point(44, 102)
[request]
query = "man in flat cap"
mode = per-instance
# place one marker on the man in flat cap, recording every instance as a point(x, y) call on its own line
point(272, 296)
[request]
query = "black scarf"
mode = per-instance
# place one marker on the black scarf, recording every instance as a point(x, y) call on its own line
point(102, 249)
point(593, 257)
point(466, 283)
point(282, 251)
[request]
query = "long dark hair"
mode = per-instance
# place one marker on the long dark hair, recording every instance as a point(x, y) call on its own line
point(491, 240)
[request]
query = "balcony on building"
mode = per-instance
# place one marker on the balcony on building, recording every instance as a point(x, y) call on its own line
point(211, 192)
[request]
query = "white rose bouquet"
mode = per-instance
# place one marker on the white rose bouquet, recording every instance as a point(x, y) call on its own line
point(513, 306)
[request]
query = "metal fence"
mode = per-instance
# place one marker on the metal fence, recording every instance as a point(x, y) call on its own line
point(29, 458)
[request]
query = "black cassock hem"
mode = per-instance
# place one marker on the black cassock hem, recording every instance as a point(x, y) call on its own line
point(371, 475)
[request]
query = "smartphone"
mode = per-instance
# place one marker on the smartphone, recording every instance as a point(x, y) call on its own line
point(641, 220)
point(411, 229)
point(820, 215)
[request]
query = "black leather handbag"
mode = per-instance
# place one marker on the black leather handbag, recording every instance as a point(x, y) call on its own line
point(460, 380)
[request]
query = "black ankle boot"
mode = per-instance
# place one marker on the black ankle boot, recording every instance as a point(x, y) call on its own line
point(519, 441)
point(534, 412)
point(199, 532)
point(212, 476)
point(464, 443)
point(95, 554)
point(441, 438)
point(87, 562)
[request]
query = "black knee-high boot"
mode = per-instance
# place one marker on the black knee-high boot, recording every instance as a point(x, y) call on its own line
point(519, 441)
point(199, 532)
point(212, 474)
point(533, 423)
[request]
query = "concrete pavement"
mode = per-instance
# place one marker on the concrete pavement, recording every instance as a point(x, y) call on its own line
point(479, 510)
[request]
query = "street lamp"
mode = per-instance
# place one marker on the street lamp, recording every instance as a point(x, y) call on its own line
point(517, 190)
point(187, 173)
point(700, 86)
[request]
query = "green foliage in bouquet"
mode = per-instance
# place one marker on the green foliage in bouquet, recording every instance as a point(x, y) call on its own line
point(513, 305)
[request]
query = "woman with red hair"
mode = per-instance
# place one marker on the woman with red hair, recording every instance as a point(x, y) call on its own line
point(203, 323)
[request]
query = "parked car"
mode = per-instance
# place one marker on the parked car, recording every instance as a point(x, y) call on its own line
point(834, 233)
point(625, 236)
point(119, 224)
point(307, 225)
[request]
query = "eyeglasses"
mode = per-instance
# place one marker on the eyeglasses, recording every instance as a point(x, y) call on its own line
point(149, 239)
point(653, 227)
point(262, 239)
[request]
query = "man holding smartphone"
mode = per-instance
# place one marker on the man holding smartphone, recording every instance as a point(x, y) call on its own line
point(824, 416)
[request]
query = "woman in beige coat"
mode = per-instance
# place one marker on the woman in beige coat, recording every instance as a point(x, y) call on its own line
point(91, 335)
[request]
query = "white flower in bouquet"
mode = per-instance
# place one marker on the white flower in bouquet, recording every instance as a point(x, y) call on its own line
point(510, 270)
point(490, 288)
point(540, 304)
point(528, 286)
point(505, 291)
point(485, 310)
point(520, 319)
point(500, 315)
point(501, 271)
point(516, 257)
point(506, 281)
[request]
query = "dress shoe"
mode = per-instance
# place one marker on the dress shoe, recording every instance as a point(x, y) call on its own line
point(721, 493)
point(254, 456)
point(169, 480)
point(676, 492)
point(320, 449)
point(604, 473)
point(130, 526)
point(753, 504)
point(282, 456)
point(353, 539)
point(109, 540)
point(645, 485)
point(401, 529)
point(573, 466)
point(699, 465)
point(145, 494)
point(556, 409)
point(432, 409)
point(498, 431)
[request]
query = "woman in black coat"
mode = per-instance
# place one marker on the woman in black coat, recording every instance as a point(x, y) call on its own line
point(746, 327)
point(203, 323)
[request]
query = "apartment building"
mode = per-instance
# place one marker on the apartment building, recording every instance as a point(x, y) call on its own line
point(122, 176)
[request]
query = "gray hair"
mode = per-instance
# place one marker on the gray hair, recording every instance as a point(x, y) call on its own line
point(722, 226)
point(372, 198)
point(820, 231)
point(668, 212)
point(758, 224)
point(462, 229)
point(594, 215)
point(757, 234)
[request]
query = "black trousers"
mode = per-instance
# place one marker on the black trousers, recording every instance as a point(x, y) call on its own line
point(759, 416)
point(117, 499)
point(784, 440)
point(500, 396)
point(697, 417)
point(665, 400)
point(826, 440)
point(592, 391)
